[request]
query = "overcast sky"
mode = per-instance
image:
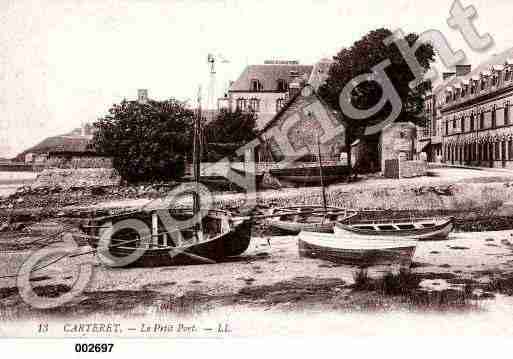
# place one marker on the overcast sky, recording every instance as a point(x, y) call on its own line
point(64, 62)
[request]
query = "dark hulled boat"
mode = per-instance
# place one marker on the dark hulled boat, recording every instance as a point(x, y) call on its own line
point(224, 235)
point(152, 238)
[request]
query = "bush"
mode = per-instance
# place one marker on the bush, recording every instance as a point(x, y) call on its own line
point(147, 142)
point(390, 284)
point(361, 279)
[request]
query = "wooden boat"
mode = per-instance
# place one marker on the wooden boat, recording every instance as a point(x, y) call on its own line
point(223, 235)
point(421, 229)
point(126, 240)
point(294, 219)
point(362, 251)
point(310, 175)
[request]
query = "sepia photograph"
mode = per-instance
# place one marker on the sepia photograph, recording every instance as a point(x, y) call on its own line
point(231, 169)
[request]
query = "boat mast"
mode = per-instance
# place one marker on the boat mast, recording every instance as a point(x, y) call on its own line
point(320, 174)
point(196, 162)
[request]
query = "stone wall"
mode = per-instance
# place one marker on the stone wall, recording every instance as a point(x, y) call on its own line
point(77, 178)
point(398, 139)
point(79, 162)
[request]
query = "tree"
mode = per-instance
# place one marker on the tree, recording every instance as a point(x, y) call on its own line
point(228, 131)
point(359, 59)
point(146, 141)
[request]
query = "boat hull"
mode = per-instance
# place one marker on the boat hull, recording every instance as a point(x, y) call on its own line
point(296, 227)
point(229, 243)
point(288, 224)
point(330, 248)
point(310, 175)
point(438, 232)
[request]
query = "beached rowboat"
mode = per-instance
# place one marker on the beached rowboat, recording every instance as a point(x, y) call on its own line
point(155, 238)
point(295, 219)
point(223, 235)
point(360, 251)
point(421, 229)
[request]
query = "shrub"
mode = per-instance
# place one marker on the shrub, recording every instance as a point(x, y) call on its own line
point(148, 141)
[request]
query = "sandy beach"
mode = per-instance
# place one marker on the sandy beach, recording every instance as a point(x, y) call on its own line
point(270, 277)
point(470, 272)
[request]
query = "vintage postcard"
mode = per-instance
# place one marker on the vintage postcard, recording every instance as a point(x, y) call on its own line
point(240, 169)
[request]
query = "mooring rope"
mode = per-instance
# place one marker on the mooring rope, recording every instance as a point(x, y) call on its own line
point(71, 255)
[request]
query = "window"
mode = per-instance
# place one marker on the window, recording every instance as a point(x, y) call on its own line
point(282, 86)
point(506, 113)
point(494, 80)
point(507, 76)
point(454, 123)
point(481, 120)
point(494, 117)
point(241, 104)
point(496, 151)
point(256, 85)
point(471, 122)
point(473, 88)
point(483, 84)
point(510, 149)
point(279, 104)
point(462, 123)
point(254, 104)
point(446, 127)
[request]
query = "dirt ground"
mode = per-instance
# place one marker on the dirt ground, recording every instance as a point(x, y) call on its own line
point(270, 282)
point(270, 276)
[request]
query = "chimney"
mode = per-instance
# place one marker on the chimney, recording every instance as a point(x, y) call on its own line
point(142, 96)
point(463, 70)
point(447, 75)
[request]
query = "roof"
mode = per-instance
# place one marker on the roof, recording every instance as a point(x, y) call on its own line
point(484, 68)
point(64, 143)
point(268, 76)
point(292, 100)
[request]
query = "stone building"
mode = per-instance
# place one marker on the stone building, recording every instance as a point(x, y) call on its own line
point(265, 88)
point(71, 150)
point(294, 129)
point(430, 136)
point(475, 115)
